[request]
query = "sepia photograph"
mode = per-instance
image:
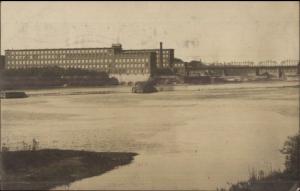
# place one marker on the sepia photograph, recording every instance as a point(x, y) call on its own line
point(150, 95)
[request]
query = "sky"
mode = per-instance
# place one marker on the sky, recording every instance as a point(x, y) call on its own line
point(210, 31)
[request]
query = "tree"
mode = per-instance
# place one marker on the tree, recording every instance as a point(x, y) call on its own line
point(291, 150)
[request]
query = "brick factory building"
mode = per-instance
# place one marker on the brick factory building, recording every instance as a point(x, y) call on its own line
point(125, 65)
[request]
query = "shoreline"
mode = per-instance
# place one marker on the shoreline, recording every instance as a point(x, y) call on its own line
point(48, 168)
point(61, 91)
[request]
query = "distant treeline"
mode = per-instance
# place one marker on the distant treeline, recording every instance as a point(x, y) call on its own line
point(52, 76)
point(51, 72)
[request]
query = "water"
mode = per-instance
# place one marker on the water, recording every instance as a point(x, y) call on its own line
point(185, 139)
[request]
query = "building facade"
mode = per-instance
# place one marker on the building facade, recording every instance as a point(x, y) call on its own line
point(164, 58)
point(125, 65)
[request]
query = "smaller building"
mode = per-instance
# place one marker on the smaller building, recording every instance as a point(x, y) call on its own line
point(179, 66)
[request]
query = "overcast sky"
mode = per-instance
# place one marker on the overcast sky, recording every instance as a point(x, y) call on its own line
point(211, 31)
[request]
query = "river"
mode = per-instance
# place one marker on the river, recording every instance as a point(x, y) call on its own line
point(185, 139)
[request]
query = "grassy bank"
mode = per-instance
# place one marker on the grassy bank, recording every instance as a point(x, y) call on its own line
point(286, 180)
point(47, 168)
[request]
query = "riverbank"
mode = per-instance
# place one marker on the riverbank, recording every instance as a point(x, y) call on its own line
point(47, 168)
point(288, 179)
point(161, 88)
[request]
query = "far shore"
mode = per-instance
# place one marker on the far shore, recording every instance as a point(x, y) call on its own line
point(58, 91)
point(48, 168)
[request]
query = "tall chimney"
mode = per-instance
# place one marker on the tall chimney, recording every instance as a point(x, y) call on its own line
point(161, 55)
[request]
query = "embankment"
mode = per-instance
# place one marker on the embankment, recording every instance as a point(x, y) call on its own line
point(47, 168)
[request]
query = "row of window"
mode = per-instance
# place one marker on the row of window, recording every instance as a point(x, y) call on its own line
point(89, 64)
point(66, 51)
point(178, 65)
point(73, 59)
point(24, 62)
point(91, 67)
point(22, 57)
point(164, 66)
point(164, 60)
point(117, 60)
point(64, 66)
point(76, 61)
point(129, 66)
point(131, 71)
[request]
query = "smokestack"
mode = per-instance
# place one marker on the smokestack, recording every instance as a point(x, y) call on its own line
point(161, 55)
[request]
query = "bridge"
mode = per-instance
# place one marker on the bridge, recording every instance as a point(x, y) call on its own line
point(278, 70)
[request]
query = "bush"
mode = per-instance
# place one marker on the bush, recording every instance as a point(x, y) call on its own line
point(291, 150)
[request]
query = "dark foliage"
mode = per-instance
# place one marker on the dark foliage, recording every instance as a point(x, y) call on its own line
point(291, 150)
point(50, 72)
point(47, 168)
point(276, 180)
